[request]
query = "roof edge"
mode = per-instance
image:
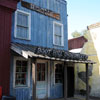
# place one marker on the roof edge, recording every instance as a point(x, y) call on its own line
point(92, 26)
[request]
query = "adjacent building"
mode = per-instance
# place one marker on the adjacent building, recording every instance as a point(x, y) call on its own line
point(6, 9)
point(92, 49)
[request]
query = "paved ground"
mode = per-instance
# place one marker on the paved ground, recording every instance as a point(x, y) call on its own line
point(79, 97)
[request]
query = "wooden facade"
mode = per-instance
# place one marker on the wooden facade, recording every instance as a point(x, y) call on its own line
point(29, 73)
point(6, 10)
point(41, 32)
point(43, 15)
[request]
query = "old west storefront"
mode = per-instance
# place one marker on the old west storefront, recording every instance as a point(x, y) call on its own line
point(43, 73)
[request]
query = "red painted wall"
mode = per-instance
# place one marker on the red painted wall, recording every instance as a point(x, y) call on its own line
point(76, 43)
point(6, 9)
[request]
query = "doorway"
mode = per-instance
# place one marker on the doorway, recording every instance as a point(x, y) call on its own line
point(42, 84)
point(70, 81)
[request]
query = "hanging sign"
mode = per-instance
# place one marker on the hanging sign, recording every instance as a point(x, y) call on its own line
point(43, 11)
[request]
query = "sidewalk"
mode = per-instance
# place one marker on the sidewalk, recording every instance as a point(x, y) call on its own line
point(79, 97)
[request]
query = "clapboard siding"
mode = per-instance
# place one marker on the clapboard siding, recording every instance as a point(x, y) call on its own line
point(41, 35)
point(21, 93)
point(42, 26)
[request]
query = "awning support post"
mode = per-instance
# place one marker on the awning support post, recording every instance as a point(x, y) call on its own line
point(87, 83)
point(34, 71)
point(65, 81)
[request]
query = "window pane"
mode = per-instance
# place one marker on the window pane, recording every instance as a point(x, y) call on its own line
point(22, 30)
point(18, 69)
point(57, 29)
point(21, 73)
point(18, 82)
point(43, 68)
point(23, 81)
point(22, 19)
point(38, 67)
point(18, 63)
point(18, 76)
point(40, 72)
point(58, 73)
point(57, 40)
point(43, 76)
point(24, 63)
point(38, 76)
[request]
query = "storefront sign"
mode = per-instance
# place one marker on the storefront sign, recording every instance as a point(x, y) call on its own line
point(43, 11)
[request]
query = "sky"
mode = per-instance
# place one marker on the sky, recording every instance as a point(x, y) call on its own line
point(82, 13)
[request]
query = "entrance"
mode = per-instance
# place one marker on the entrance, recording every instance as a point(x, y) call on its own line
point(70, 81)
point(41, 87)
point(59, 79)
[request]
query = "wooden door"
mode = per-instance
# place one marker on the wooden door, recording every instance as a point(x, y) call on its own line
point(59, 79)
point(42, 84)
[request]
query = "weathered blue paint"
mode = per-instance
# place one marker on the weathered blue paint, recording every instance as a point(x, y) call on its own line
point(41, 35)
point(42, 26)
point(41, 86)
point(56, 90)
point(21, 93)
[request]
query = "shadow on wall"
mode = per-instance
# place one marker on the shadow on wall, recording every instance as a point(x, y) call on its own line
point(82, 76)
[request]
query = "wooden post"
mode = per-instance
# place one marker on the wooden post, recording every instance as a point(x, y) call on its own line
point(87, 83)
point(65, 82)
point(34, 70)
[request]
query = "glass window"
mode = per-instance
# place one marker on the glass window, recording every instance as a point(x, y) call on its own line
point(22, 25)
point(58, 34)
point(59, 73)
point(21, 73)
point(40, 72)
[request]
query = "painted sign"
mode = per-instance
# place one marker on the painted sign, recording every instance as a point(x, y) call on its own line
point(43, 11)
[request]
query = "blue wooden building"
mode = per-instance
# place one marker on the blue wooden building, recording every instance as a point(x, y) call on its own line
point(40, 62)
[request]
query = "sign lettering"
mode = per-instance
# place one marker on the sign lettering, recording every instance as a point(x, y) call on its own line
point(43, 11)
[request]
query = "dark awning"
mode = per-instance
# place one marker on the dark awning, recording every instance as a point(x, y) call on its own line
point(49, 53)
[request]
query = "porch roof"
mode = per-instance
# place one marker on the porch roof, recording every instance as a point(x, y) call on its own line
point(49, 53)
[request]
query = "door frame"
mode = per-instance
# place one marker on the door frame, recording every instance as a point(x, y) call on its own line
point(47, 73)
point(55, 84)
point(71, 69)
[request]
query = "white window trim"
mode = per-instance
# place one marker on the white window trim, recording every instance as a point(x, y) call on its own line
point(14, 71)
point(29, 23)
point(62, 33)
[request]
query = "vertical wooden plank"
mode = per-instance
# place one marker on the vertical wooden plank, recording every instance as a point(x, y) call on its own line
point(87, 83)
point(65, 81)
point(48, 78)
point(34, 69)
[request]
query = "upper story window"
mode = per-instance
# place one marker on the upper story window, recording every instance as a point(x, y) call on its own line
point(58, 37)
point(22, 25)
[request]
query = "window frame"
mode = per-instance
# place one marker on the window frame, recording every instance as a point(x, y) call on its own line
point(28, 73)
point(62, 33)
point(55, 71)
point(29, 24)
